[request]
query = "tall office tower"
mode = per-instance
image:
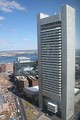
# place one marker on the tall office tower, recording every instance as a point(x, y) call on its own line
point(56, 50)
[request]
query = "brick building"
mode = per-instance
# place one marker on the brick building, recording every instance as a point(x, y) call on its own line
point(7, 67)
point(33, 81)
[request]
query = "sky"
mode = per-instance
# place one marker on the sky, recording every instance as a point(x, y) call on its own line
point(18, 21)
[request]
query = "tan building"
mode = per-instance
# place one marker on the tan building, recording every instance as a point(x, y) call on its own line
point(21, 82)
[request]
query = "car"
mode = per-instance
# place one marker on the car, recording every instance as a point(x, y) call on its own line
point(19, 116)
point(18, 110)
point(18, 103)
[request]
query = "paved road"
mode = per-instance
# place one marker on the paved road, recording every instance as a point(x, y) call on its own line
point(18, 112)
point(21, 115)
point(22, 109)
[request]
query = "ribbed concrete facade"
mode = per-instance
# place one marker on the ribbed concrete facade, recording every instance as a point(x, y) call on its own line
point(68, 61)
point(55, 50)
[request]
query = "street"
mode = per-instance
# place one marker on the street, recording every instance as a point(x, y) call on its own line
point(20, 109)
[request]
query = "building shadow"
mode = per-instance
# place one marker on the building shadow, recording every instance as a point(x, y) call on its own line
point(22, 95)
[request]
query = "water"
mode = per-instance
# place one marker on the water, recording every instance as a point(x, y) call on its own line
point(10, 59)
point(33, 57)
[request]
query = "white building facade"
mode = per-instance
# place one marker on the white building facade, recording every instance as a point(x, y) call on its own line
point(56, 50)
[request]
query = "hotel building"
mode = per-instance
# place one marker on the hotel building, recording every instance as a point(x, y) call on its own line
point(56, 62)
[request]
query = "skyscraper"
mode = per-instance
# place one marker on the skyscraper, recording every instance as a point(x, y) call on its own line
point(56, 50)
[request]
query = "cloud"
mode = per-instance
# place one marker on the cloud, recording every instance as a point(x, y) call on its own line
point(7, 10)
point(2, 18)
point(25, 40)
point(8, 6)
point(5, 42)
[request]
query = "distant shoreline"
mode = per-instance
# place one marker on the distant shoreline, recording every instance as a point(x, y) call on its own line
point(13, 53)
point(18, 50)
point(10, 58)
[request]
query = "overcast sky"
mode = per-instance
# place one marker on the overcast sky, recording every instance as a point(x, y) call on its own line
point(18, 21)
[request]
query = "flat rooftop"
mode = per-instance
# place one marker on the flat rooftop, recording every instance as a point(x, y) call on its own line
point(31, 90)
point(22, 78)
point(32, 78)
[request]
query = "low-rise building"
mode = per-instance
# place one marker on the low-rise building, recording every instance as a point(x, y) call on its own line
point(32, 92)
point(21, 82)
point(7, 67)
point(33, 81)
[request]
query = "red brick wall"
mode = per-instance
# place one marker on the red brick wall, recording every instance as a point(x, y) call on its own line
point(35, 83)
point(2, 67)
point(6, 67)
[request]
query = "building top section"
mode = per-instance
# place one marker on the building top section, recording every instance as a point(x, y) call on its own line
point(22, 78)
point(33, 78)
point(6, 64)
point(68, 6)
point(23, 59)
point(31, 90)
point(50, 19)
point(34, 88)
point(43, 15)
point(46, 19)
